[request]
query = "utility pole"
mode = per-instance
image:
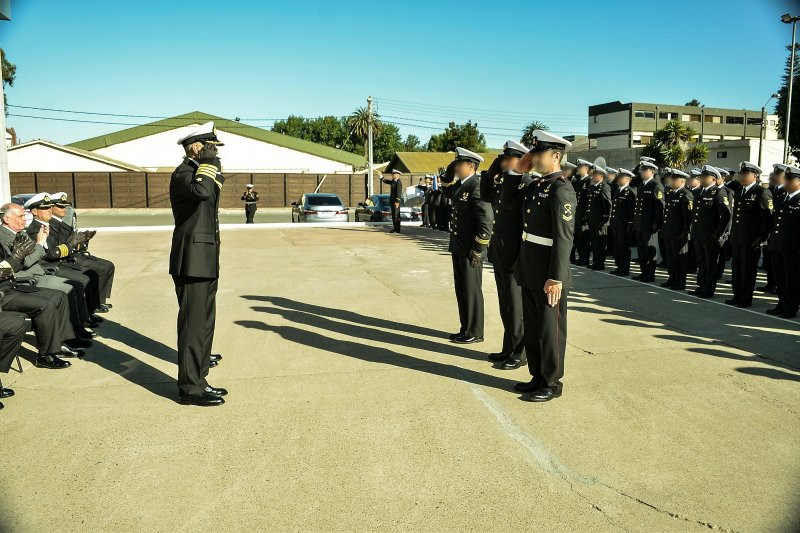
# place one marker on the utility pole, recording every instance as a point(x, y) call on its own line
point(369, 146)
point(764, 126)
point(786, 19)
point(5, 182)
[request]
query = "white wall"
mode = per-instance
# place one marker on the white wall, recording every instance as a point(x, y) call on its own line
point(41, 158)
point(618, 120)
point(240, 154)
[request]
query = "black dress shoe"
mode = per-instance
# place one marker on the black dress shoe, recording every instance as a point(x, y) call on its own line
point(666, 284)
point(766, 288)
point(102, 309)
point(85, 333)
point(216, 391)
point(77, 344)
point(597, 267)
point(732, 302)
point(622, 274)
point(637, 277)
point(205, 399)
point(789, 315)
point(1, 405)
point(6, 393)
point(216, 356)
point(512, 363)
point(467, 339)
point(541, 395)
point(453, 336)
point(212, 364)
point(51, 361)
point(108, 305)
point(704, 295)
point(614, 272)
point(776, 311)
point(96, 319)
point(497, 357)
point(527, 386)
point(66, 351)
point(678, 287)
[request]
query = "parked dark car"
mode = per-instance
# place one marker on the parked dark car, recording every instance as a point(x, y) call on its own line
point(376, 208)
point(319, 207)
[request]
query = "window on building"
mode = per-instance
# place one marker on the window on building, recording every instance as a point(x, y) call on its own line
point(667, 115)
point(713, 119)
point(645, 139)
point(771, 122)
point(754, 121)
point(734, 120)
point(690, 118)
point(644, 114)
point(722, 155)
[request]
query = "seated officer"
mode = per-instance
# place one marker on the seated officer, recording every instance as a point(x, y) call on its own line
point(32, 273)
point(104, 268)
point(58, 255)
point(47, 308)
point(12, 330)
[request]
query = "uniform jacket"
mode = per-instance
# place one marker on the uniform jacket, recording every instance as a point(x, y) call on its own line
point(505, 241)
point(785, 235)
point(712, 215)
point(250, 197)
point(678, 215)
point(471, 218)
point(752, 216)
point(598, 208)
point(395, 191)
point(622, 207)
point(55, 249)
point(195, 240)
point(548, 212)
point(581, 188)
point(649, 212)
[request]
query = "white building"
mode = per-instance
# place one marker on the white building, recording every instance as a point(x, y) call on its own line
point(46, 156)
point(247, 148)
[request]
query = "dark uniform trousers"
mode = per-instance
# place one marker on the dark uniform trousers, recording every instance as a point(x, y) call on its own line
point(469, 295)
point(12, 330)
point(509, 296)
point(196, 319)
point(621, 250)
point(250, 212)
point(194, 267)
point(48, 311)
point(677, 257)
point(396, 218)
point(105, 273)
point(546, 344)
point(744, 267)
point(706, 253)
point(646, 252)
point(787, 279)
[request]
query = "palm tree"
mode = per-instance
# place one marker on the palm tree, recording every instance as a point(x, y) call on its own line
point(674, 156)
point(694, 102)
point(527, 132)
point(358, 126)
point(697, 154)
point(674, 133)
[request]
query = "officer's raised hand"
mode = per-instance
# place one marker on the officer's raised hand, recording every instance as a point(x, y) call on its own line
point(524, 164)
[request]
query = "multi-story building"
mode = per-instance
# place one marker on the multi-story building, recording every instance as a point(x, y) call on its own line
point(617, 125)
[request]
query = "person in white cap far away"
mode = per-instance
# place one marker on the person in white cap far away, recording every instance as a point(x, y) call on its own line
point(250, 199)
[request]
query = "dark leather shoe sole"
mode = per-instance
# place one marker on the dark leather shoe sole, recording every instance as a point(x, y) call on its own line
point(6, 393)
point(467, 340)
point(512, 365)
point(201, 402)
point(212, 364)
point(50, 366)
point(540, 397)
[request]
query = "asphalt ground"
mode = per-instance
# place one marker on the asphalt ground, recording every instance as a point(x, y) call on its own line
point(350, 410)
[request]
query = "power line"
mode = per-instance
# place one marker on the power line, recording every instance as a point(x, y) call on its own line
point(480, 110)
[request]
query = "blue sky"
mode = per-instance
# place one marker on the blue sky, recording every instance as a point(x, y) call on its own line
point(501, 64)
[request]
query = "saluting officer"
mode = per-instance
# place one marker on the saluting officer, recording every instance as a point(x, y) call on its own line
point(568, 169)
point(621, 222)
point(750, 227)
point(250, 199)
point(598, 211)
point(728, 186)
point(784, 245)
point(647, 218)
point(581, 183)
point(395, 194)
point(710, 226)
point(543, 268)
point(194, 192)
point(675, 230)
point(470, 229)
point(503, 249)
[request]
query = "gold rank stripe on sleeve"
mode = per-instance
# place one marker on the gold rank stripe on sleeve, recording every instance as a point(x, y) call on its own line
point(219, 183)
point(207, 170)
point(481, 241)
point(63, 250)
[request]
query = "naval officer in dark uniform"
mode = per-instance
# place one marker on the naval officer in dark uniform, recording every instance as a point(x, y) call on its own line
point(581, 182)
point(503, 249)
point(542, 268)
point(395, 195)
point(647, 218)
point(194, 192)
point(621, 222)
point(598, 211)
point(710, 226)
point(675, 230)
point(470, 229)
point(784, 245)
point(751, 224)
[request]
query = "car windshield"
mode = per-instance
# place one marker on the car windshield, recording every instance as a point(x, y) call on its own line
point(323, 200)
point(384, 200)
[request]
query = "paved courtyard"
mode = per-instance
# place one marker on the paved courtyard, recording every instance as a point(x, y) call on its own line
point(349, 410)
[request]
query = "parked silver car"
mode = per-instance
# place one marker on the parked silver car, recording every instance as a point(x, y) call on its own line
point(319, 207)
